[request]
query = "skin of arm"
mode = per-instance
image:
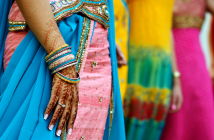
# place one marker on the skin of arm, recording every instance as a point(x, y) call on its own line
point(210, 6)
point(177, 98)
point(211, 49)
point(39, 17)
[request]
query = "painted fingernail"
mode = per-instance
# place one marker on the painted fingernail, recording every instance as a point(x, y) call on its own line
point(51, 127)
point(46, 116)
point(173, 107)
point(69, 131)
point(58, 133)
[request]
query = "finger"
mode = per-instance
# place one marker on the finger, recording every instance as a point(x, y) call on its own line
point(65, 116)
point(66, 113)
point(57, 113)
point(56, 88)
point(174, 105)
point(74, 105)
point(179, 103)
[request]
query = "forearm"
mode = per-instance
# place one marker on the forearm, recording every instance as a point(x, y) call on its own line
point(210, 6)
point(40, 19)
point(174, 61)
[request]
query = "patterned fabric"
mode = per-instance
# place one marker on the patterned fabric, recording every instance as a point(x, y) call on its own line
point(27, 73)
point(189, 13)
point(94, 9)
point(195, 119)
point(149, 80)
point(122, 34)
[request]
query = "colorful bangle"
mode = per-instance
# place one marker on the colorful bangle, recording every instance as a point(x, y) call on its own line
point(55, 51)
point(59, 54)
point(69, 80)
point(64, 66)
point(61, 59)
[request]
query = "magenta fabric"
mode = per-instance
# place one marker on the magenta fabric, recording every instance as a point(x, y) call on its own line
point(195, 120)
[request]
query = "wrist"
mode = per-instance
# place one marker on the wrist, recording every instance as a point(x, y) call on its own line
point(176, 77)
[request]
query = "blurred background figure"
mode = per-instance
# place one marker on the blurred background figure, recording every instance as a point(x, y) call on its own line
point(149, 74)
point(122, 23)
point(195, 119)
point(211, 41)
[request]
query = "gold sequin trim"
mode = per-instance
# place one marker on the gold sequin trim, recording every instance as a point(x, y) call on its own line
point(83, 42)
point(111, 110)
point(63, 136)
point(17, 22)
point(187, 22)
point(83, 7)
point(18, 28)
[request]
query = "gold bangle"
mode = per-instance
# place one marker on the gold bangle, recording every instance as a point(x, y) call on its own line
point(176, 74)
point(61, 47)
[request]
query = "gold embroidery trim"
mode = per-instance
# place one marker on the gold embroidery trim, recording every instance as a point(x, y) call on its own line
point(83, 44)
point(83, 8)
point(187, 22)
point(18, 28)
point(63, 136)
point(111, 110)
point(21, 25)
point(17, 22)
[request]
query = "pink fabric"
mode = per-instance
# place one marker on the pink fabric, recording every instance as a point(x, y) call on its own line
point(15, 14)
point(195, 120)
point(12, 41)
point(193, 8)
point(95, 85)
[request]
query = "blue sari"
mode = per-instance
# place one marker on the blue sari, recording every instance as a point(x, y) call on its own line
point(25, 86)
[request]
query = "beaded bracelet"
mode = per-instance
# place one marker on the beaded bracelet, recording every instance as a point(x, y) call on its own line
point(69, 80)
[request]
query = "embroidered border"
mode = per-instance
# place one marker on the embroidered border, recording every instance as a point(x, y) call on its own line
point(80, 55)
point(187, 22)
point(83, 43)
point(17, 25)
point(111, 109)
point(94, 9)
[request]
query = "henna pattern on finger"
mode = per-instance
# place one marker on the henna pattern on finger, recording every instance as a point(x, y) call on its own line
point(57, 115)
point(75, 102)
point(55, 95)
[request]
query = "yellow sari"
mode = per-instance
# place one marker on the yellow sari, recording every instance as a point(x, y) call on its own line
point(122, 36)
point(149, 76)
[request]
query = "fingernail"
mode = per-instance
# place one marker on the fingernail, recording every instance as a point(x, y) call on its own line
point(51, 127)
point(58, 133)
point(69, 131)
point(173, 107)
point(46, 116)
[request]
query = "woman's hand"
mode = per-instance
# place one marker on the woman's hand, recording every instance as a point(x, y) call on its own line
point(121, 60)
point(65, 97)
point(177, 98)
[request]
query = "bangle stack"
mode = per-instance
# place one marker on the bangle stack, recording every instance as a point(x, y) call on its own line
point(60, 59)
